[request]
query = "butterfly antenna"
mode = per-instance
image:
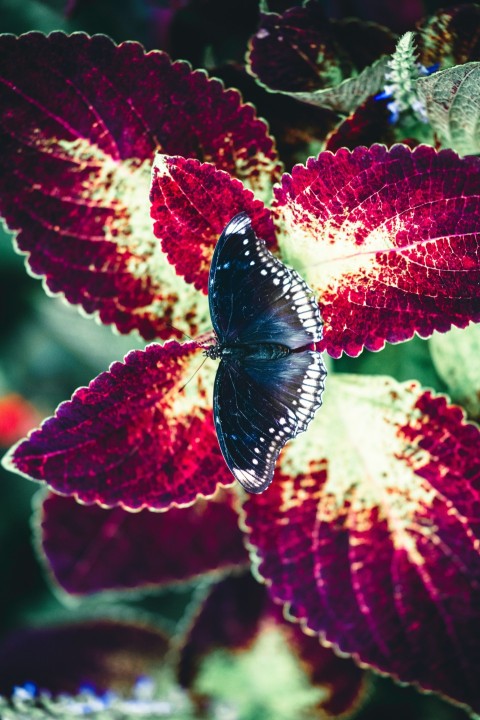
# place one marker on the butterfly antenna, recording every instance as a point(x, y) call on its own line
point(192, 376)
point(170, 325)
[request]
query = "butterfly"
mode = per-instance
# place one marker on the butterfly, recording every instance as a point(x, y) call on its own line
point(269, 383)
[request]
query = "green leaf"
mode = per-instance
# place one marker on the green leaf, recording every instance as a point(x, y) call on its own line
point(452, 101)
point(266, 683)
point(350, 93)
point(455, 356)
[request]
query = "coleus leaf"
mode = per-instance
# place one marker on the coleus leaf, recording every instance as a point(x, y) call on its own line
point(191, 204)
point(451, 102)
point(331, 64)
point(455, 356)
point(90, 549)
point(103, 654)
point(135, 437)
point(389, 240)
point(450, 36)
point(237, 615)
point(81, 120)
point(373, 542)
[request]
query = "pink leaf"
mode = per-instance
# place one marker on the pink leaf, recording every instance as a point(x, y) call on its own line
point(191, 204)
point(81, 120)
point(90, 549)
point(390, 239)
point(377, 552)
point(134, 437)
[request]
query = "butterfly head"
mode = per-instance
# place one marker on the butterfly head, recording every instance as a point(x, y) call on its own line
point(214, 352)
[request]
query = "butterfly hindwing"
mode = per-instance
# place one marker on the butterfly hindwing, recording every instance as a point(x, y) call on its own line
point(259, 406)
point(254, 297)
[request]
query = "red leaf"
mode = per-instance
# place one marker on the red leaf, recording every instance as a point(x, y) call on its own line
point(134, 437)
point(389, 239)
point(81, 120)
point(381, 558)
point(90, 549)
point(105, 654)
point(367, 125)
point(191, 204)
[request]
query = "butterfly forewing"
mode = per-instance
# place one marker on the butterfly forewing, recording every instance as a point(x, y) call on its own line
point(259, 406)
point(255, 298)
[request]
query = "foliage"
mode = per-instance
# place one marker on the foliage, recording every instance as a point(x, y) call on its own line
point(119, 169)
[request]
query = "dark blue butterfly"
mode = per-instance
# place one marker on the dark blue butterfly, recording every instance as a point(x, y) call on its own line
point(268, 384)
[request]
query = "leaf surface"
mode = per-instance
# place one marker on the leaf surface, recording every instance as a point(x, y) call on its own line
point(327, 63)
point(451, 99)
point(450, 36)
point(237, 616)
point(90, 549)
point(135, 437)
point(371, 537)
point(191, 204)
point(390, 240)
point(81, 121)
point(455, 356)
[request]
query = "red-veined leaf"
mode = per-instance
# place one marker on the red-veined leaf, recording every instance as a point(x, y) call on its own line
point(372, 536)
point(191, 204)
point(135, 437)
point(390, 240)
point(104, 654)
point(89, 549)
point(81, 120)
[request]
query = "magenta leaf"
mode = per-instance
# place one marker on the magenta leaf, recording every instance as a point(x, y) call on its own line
point(377, 552)
point(81, 120)
point(191, 204)
point(388, 238)
point(103, 654)
point(89, 549)
point(303, 53)
point(135, 437)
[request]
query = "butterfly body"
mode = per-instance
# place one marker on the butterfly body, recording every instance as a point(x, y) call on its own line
point(269, 381)
point(255, 351)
